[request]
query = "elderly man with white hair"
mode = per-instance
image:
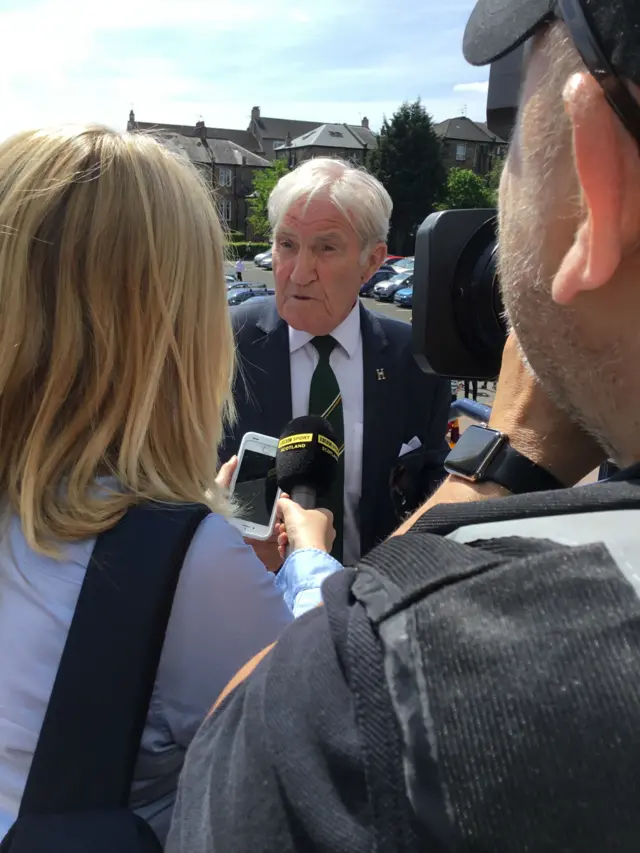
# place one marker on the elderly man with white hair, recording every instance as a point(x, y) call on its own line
point(315, 349)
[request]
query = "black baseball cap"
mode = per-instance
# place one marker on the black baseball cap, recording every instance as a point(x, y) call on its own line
point(496, 27)
point(606, 33)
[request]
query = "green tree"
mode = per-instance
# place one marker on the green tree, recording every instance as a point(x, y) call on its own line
point(263, 183)
point(465, 190)
point(493, 179)
point(408, 162)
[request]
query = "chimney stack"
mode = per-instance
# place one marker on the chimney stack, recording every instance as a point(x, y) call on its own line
point(365, 123)
point(201, 131)
point(131, 124)
point(255, 114)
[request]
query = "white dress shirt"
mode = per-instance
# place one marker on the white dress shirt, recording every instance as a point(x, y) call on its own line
point(346, 362)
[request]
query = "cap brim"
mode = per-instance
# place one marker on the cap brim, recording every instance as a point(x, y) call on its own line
point(496, 27)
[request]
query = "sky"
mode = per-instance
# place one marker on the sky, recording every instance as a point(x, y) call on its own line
point(178, 61)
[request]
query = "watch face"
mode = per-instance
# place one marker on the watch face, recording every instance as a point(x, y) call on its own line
point(472, 455)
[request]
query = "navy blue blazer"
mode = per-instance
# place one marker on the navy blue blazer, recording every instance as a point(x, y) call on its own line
point(400, 402)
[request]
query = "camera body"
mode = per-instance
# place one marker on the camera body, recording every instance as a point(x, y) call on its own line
point(458, 324)
point(459, 329)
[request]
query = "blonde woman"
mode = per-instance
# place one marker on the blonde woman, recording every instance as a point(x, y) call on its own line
point(116, 360)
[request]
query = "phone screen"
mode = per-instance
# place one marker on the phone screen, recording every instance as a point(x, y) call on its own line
point(256, 488)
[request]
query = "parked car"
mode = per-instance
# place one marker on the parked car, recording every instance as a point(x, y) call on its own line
point(385, 272)
point(391, 259)
point(259, 258)
point(230, 278)
point(257, 297)
point(267, 264)
point(245, 285)
point(404, 265)
point(237, 296)
point(384, 291)
point(404, 297)
point(263, 260)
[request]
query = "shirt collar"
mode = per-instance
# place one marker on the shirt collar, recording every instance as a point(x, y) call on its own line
point(347, 334)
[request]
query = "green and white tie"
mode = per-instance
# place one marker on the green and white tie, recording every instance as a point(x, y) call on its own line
point(325, 400)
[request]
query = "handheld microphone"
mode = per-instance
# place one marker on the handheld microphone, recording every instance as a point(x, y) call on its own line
point(307, 459)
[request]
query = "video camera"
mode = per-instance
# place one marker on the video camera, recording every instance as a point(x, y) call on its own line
point(459, 328)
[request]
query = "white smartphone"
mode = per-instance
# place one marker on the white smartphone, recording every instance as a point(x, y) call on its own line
point(254, 486)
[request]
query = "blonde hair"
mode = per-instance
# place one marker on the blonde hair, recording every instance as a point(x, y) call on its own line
point(116, 349)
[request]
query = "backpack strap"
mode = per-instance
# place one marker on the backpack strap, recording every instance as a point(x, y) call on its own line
point(443, 519)
point(88, 745)
point(389, 579)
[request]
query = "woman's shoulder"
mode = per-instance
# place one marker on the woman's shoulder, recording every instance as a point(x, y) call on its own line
point(219, 558)
point(216, 534)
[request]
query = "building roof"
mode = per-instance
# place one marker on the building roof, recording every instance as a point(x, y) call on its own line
point(490, 133)
point(366, 136)
point(225, 152)
point(465, 130)
point(327, 136)
point(278, 128)
point(244, 138)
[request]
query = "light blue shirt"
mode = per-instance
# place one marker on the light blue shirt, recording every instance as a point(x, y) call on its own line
point(226, 609)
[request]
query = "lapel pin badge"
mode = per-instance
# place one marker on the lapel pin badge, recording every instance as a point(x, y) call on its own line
point(380, 372)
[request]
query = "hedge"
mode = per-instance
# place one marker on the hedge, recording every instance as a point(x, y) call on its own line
point(246, 250)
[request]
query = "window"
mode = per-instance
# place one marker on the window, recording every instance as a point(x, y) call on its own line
point(225, 210)
point(336, 134)
point(277, 142)
point(225, 176)
point(461, 151)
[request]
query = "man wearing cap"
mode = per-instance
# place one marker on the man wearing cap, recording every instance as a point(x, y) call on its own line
point(473, 686)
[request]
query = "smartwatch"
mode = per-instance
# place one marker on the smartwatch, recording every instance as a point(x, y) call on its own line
point(485, 455)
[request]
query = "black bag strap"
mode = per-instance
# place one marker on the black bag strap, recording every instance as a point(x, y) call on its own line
point(445, 518)
point(88, 745)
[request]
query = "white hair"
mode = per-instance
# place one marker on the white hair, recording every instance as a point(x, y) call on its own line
point(359, 196)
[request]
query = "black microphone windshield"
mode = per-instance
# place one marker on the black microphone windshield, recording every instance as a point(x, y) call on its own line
point(307, 455)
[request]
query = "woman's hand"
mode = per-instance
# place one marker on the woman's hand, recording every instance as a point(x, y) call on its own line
point(226, 472)
point(304, 528)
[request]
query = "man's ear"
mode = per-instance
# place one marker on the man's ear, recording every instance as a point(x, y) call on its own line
point(607, 163)
point(374, 261)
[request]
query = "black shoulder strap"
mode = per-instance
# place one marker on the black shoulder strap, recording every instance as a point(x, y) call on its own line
point(445, 518)
point(91, 734)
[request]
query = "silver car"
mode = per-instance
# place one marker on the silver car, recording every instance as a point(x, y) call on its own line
point(384, 291)
point(262, 258)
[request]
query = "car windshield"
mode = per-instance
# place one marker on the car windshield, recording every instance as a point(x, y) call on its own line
point(399, 278)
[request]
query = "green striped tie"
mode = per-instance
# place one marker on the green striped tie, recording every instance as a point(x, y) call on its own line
point(325, 400)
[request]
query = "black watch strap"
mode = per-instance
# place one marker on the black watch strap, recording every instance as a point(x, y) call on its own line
point(515, 472)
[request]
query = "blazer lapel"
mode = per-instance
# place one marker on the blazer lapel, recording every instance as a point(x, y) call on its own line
point(272, 369)
point(378, 380)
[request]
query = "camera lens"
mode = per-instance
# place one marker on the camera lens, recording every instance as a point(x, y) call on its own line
point(477, 302)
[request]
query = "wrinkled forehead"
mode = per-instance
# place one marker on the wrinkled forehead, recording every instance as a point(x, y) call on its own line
point(315, 214)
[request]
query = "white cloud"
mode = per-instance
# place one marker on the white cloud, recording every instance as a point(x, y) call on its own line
point(483, 88)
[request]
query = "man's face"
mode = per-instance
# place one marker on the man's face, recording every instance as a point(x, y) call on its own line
point(574, 350)
point(317, 265)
